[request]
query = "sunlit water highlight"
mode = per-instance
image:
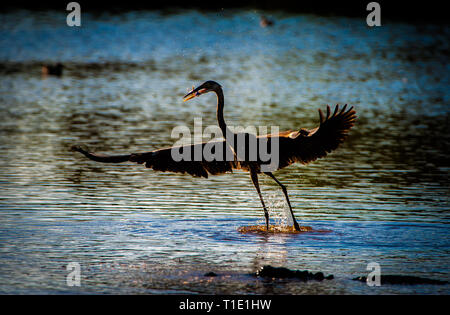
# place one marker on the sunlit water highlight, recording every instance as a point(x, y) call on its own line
point(384, 195)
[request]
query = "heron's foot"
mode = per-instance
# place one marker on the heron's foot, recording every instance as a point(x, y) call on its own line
point(296, 226)
point(266, 215)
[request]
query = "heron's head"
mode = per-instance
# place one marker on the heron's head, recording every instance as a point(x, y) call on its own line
point(206, 87)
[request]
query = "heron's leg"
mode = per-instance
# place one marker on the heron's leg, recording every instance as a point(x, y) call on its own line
point(254, 177)
point(297, 228)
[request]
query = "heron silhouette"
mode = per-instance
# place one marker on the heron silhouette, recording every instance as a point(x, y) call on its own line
point(294, 146)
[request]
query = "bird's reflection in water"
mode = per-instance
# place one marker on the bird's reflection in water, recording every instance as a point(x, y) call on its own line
point(272, 251)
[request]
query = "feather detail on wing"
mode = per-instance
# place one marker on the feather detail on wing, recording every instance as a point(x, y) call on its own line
point(305, 146)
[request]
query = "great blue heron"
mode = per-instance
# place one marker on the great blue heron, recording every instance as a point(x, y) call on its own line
point(301, 146)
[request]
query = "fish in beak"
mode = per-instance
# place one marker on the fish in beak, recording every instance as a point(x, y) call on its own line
point(194, 93)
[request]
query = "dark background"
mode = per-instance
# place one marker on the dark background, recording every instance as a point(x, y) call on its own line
point(410, 11)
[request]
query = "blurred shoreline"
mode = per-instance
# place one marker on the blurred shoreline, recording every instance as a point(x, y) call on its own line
point(403, 11)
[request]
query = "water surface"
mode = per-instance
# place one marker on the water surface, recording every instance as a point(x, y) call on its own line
point(384, 194)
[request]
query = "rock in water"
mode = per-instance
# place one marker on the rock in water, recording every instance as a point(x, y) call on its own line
point(268, 271)
point(210, 274)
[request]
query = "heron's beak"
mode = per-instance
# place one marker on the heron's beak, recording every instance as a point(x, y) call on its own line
point(194, 93)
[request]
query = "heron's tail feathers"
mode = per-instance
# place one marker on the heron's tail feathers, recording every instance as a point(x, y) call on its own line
point(101, 157)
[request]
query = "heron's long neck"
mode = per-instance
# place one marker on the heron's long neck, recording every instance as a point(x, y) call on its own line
point(220, 120)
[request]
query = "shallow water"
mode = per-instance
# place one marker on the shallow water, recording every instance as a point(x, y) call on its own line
point(384, 194)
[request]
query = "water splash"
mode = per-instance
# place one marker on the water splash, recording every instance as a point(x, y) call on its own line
point(278, 209)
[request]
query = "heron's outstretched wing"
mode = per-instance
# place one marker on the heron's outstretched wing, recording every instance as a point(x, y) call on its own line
point(301, 146)
point(305, 146)
point(181, 159)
